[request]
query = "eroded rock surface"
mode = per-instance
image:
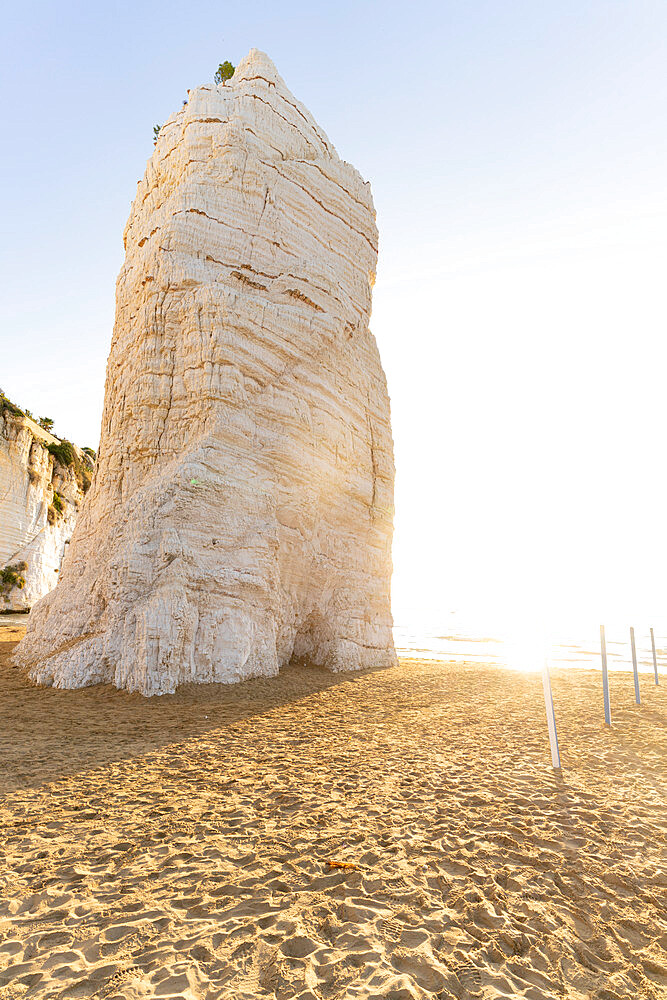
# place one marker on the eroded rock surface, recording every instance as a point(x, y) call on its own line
point(241, 514)
point(40, 497)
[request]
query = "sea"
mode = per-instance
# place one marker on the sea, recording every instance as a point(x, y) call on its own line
point(459, 636)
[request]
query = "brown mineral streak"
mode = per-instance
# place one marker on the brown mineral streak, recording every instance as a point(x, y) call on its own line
point(241, 515)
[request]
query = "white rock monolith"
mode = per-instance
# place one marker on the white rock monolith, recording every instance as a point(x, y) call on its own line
point(241, 513)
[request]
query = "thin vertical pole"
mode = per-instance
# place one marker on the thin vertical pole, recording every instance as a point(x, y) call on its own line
point(634, 666)
point(655, 662)
point(605, 678)
point(551, 717)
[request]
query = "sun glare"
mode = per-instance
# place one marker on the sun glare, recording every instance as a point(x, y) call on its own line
point(525, 652)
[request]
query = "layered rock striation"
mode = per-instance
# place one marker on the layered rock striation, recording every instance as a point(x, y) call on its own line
point(241, 513)
point(41, 493)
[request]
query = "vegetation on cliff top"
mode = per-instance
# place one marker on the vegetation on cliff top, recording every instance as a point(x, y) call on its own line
point(6, 404)
point(64, 451)
point(66, 455)
point(224, 72)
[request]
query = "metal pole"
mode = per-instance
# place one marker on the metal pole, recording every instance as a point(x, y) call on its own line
point(605, 678)
point(634, 666)
point(655, 662)
point(551, 717)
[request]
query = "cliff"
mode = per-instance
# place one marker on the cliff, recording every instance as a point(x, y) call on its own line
point(241, 513)
point(40, 496)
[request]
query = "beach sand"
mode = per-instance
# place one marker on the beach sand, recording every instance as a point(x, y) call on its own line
point(183, 846)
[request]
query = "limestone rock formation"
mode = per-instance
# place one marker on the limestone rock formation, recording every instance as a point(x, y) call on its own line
point(41, 492)
point(241, 514)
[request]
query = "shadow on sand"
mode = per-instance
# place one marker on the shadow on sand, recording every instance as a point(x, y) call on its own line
point(50, 734)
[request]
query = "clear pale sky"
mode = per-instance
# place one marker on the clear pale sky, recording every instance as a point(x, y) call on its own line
point(517, 153)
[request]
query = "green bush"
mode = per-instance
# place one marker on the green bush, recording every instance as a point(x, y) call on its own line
point(225, 71)
point(6, 404)
point(63, 453)
point(12, 576)
point(66, 455)
point(57, 502)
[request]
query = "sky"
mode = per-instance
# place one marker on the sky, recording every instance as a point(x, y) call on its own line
point(517, 155)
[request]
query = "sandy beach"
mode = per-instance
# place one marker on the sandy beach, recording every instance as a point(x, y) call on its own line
point(395, 834)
